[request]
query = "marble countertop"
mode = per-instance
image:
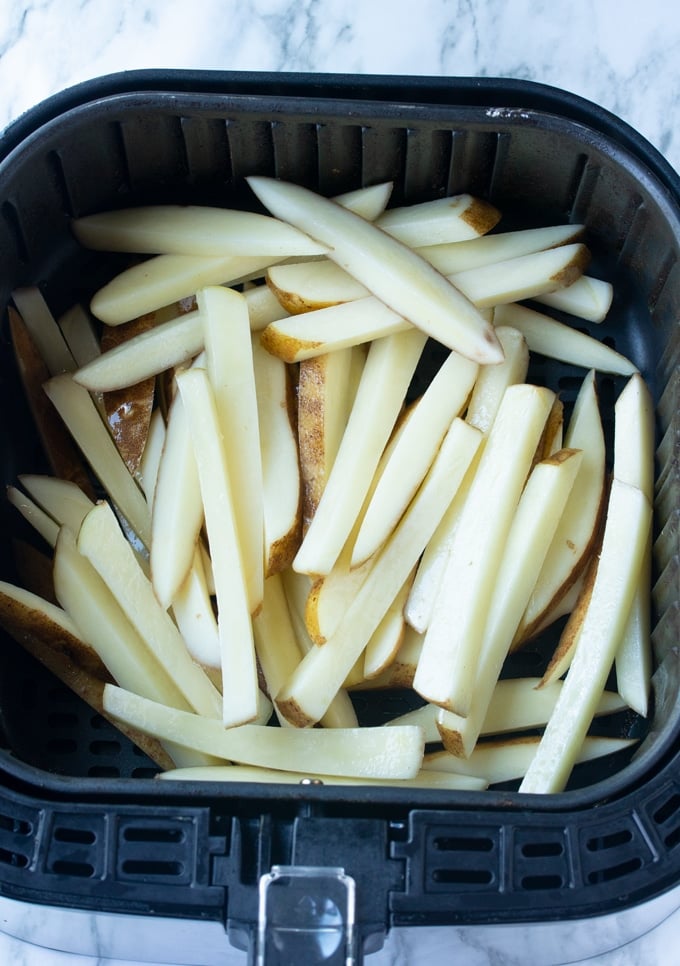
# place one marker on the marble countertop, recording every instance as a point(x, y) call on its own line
point(620, 54)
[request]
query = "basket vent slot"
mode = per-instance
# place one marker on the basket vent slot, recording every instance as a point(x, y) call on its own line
point(156, 850)
point(667, 816)
point(460, 862)
point(540, 859)
point(76, 846)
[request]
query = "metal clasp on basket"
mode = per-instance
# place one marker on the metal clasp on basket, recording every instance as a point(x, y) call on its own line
point(306, 915)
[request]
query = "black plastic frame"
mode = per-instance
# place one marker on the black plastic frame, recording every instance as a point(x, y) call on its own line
point(537, 857)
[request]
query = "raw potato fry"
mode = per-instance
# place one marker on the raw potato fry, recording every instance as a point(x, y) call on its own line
point(578, 529)
point(41, 521)
point(440, 221)
point(237, 649)
point(147, 354)
point(448, 664)
point(276, 645)
point(388, 635)
point(588, 298)
point(354, 752)
point(306, 695)
point(634, 653)
point(263, 307)
point(414, 452)
point(43, 329)
point(305, 286)
point(395, 274)
point(62, 499)
point(558, 341)
point(147, 472)
point(102, 542)
point(79, 334)
point(534, 523)
point(492, 381)
point(389, 367)
point(229, 358)
point(244, 773)
point(509, 758)
point(625, 536)
point(194, 616)
point(191, 230)
point(75, 406)
point(564, 652)
point(487, 249)
point(281, 483)
point(62, 455)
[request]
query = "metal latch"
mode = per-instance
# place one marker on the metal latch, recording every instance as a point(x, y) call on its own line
point(306, 914)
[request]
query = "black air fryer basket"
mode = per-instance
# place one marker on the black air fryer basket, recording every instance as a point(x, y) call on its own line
point(82, 823)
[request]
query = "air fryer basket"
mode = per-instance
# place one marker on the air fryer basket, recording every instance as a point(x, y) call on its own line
point(81, 823)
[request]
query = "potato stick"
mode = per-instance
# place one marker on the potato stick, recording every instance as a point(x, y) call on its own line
point(412, 456)
point(306, 286)
point(177, 513)
point(79, 334)
point(103, 543)
point(281, 483)
point(452, 219)
point(62, 454)
point(44, 330)
point(588, 298)
point(564, 651)
point(193, 613)
point(263, 307)
point(625, 536)
point(634, 448)
point(276, 645)
point(191, 230)
point(229, 358)
point(551, 338)
point(395, 273)
point(578, 528)
point(314, 333)
point(634, 653)
point(384, 381)
point(487, 249)
point(369, 202)
point(306, 695)
point(388, 635)
point(355, 752)
point(532, 528)
point(75, 406)
point(325, 394)
point(41, 521)
point(517, 704)
point(147, 354)
point(150, 461)
point(237, 649)
point(509, 758)
point(93, 608)
point(245, 773)
point(62, 499)
point(562, 608)
point(448, 664)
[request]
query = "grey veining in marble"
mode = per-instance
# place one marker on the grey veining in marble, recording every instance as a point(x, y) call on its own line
point(621, 54)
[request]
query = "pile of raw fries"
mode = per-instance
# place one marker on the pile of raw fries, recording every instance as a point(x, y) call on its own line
point(246, 519)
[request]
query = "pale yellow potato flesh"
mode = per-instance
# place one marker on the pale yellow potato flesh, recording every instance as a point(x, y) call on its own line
point(587, 298)
point(193, 613)
point(306, 695)
point(626, 530)
point(276, 645)
point(62, 499)
point(389, 367)
point(451, 649)
point(42, 522)
point(102, 542)
point(453, 219)
point(78, 330)
point(75, 406)
point(487, 249)
point(551, 338)
point(229, 362)
point(237, 648)
point(391, 271)
point(388, 635)
point(355, 752)
point(147, 471)
point(492, 381)
point(44, 330)
point(634, 662)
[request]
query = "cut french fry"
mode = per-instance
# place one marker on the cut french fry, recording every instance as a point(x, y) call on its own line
point(41, 521)
point(634, 448)
point(551, 338)
point(564, 651)
point(487, 249)
point(626, 531)
point(588, 298)
point(443, 220)
point(448, 664)
point(244, 773)
point(79, 333)
point(149, 463)
point(308, 692)
point(634, 653)
point(147, 354)
point(509, 758)
point(191, 230)
point(44, 330)
point(389, 367)
point(62, 499)
point(414, 452)
point(276, 645)
point(578, 529)
point(388, 635)
point(102, 542)
point(393, 272)
point(492, 381)
point(263, 307)
point(369, 202)
point(237, 649)
point(306, 286)
point(229, 361)
point(355, 752)
point(533, 526)
point(193, 613)
point(75, 406)
point(281, 483)
point(177, 513)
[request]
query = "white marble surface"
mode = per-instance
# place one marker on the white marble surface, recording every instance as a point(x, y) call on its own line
point(622, 54)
